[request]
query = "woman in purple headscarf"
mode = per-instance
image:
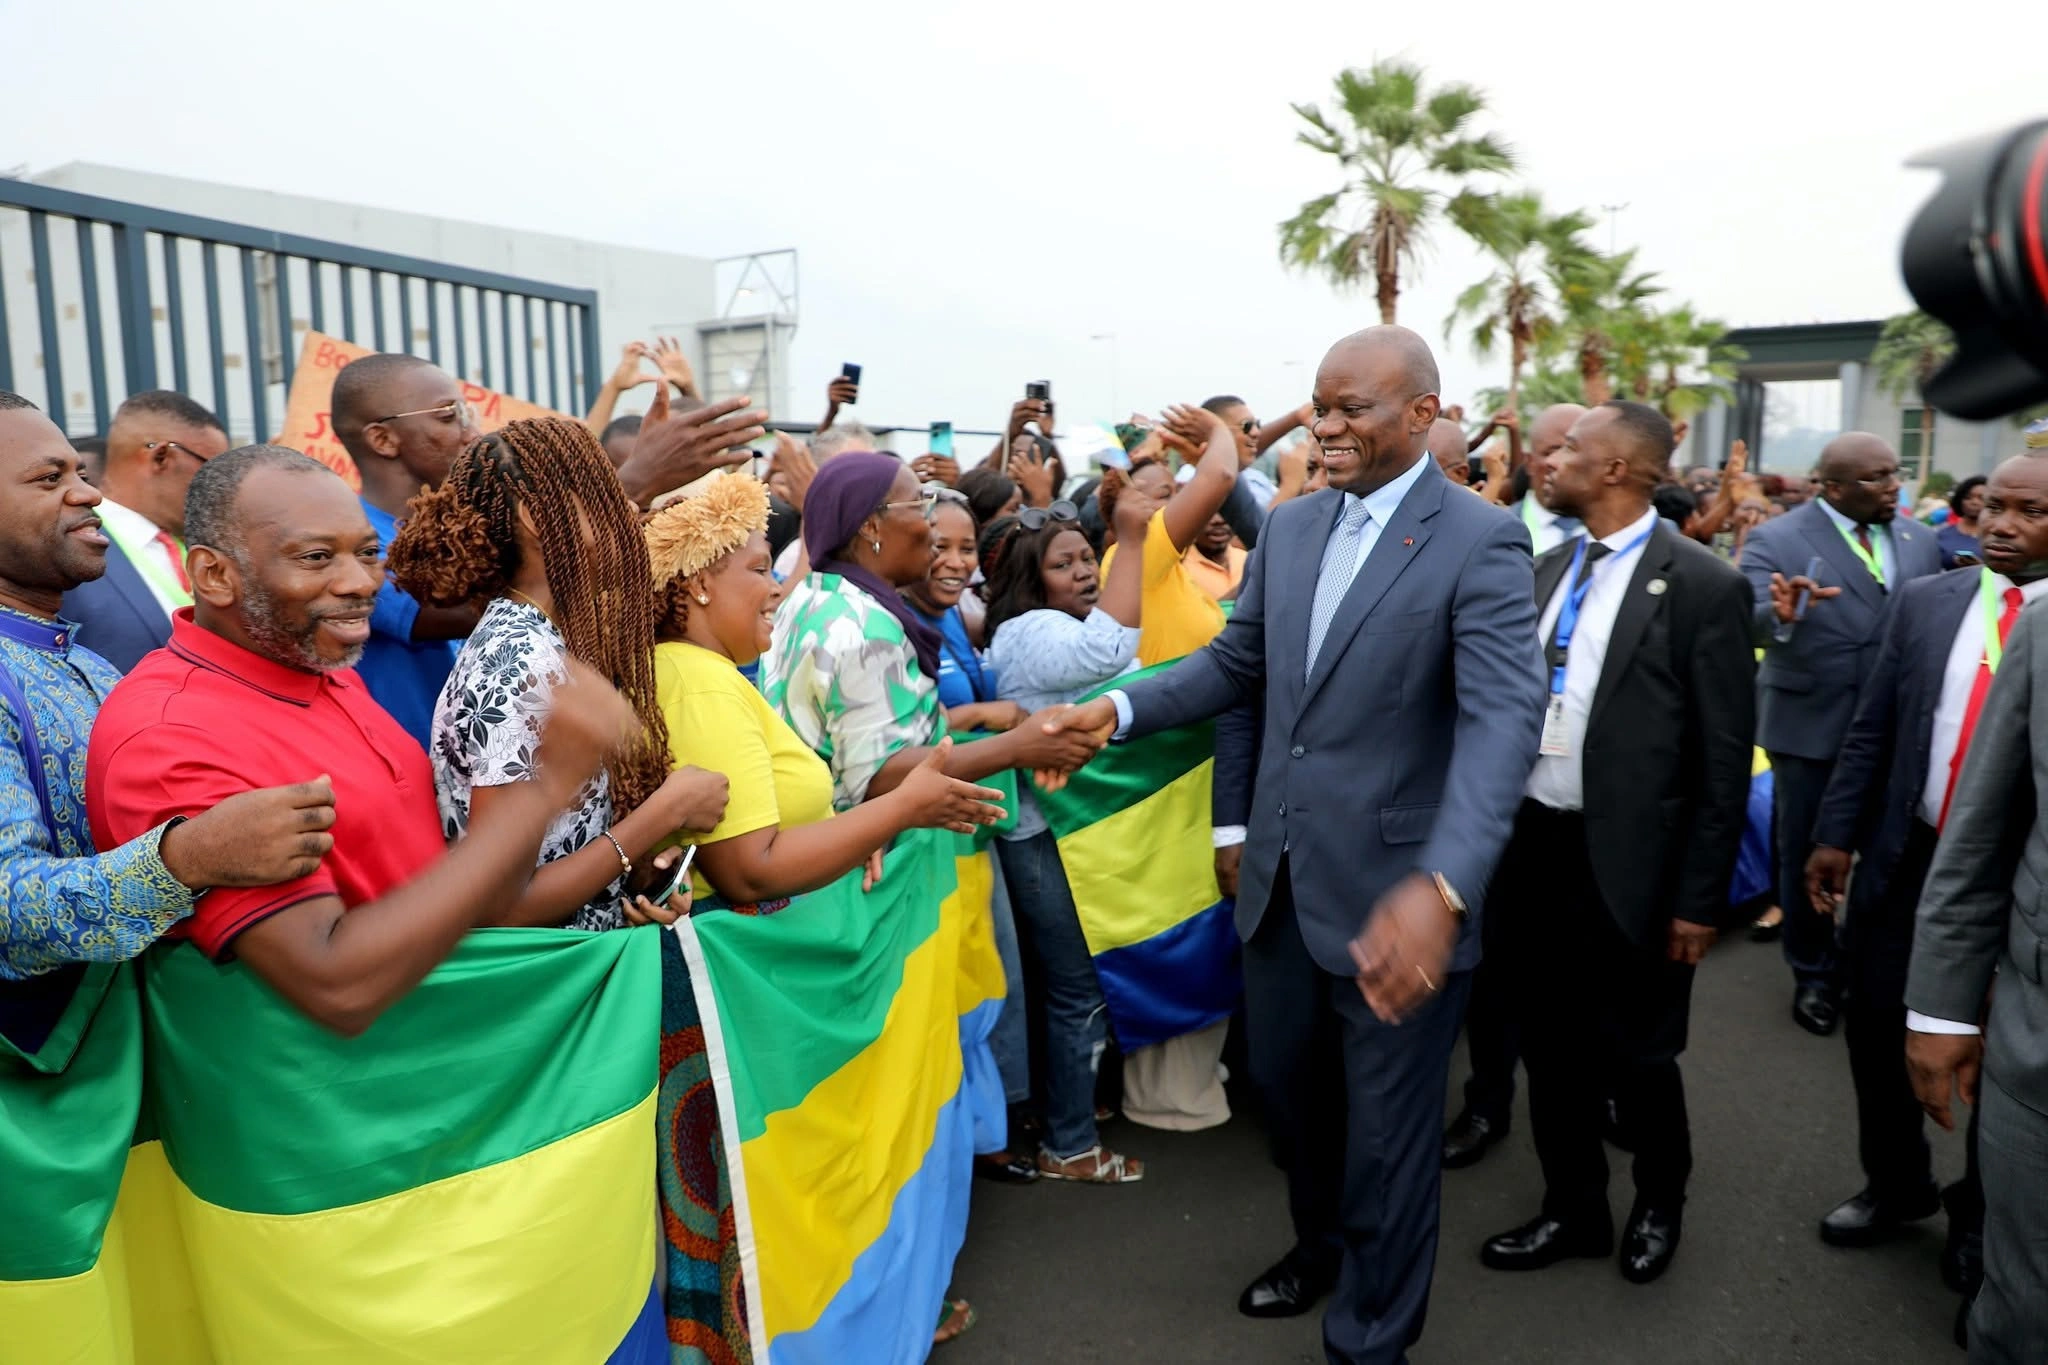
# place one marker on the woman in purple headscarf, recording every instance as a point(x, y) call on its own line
point(853, 668)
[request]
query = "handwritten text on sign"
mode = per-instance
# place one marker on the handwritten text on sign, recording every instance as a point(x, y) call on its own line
point(308, 427)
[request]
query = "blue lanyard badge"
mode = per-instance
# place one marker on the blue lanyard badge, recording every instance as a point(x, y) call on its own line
point(1568, 614)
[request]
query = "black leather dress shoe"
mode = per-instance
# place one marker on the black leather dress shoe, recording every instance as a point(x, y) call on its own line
point(1289, 1288)
point(1648, 1243)
point(1962, 1252)
point(1815, 1009)
point(1544, 1242)
point(1006, 1169)
point(1866, 1220)
point(1469, 1137)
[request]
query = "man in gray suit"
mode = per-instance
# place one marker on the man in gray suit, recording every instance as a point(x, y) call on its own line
point(1821, 576)
point(1390, 624)
point(1984, 912)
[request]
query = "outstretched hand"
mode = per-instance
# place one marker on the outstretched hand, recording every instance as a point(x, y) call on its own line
point(677, 450)
point(1081, 730)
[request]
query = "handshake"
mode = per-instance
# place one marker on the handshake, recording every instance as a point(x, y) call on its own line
point(1063, 738)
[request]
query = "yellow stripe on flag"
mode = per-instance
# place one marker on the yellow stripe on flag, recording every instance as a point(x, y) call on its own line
point(1120, 856)
point(823, 1177)
point(558, 1245)
point(89, 1319)
point(972, 907)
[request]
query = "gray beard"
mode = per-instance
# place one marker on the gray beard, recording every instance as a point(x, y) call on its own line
point(261, 618)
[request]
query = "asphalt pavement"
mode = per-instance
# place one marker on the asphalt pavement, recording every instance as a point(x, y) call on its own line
point(1151, 1272)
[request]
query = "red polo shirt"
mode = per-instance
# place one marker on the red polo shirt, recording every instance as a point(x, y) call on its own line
point(204, 718)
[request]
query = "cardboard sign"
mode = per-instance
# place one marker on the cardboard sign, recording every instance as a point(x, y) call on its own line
point(306, 424)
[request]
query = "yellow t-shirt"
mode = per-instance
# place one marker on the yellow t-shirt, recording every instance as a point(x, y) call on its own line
point(720, 721)
point(1177, 617)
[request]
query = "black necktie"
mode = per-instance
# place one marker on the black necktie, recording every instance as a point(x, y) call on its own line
point(1595, 552)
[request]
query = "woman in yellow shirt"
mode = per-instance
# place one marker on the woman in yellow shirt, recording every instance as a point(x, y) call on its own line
point(717, 595)
point(1179, 617)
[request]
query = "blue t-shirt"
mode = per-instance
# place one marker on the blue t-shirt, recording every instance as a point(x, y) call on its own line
point(964, 678)
point(404, 675)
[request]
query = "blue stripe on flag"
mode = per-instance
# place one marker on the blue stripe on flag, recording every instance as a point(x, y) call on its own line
point(981, 1084)
point(1179, 980)
point(889, 1305)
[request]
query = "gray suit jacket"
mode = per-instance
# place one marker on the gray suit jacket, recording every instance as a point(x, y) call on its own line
point(1807, 686)
point(1985, 907)
point(1409, 746)
point(118, 617)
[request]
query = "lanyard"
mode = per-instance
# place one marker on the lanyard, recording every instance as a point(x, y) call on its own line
point(148, 562)
point(1988, 600)
point(969, 666)
point(1870, 557)
point(1568, 614)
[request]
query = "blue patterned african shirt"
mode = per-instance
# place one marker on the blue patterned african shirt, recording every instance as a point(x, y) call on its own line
point(62, 903)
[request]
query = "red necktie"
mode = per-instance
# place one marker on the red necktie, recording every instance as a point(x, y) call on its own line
point(1976, 702)
point(170, 544)
point(1863, 538)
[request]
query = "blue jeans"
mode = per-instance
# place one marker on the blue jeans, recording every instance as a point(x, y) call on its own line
point(1066, 1000)
point(1011, 1041)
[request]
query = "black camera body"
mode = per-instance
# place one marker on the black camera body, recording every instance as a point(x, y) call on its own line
point(1976, 257)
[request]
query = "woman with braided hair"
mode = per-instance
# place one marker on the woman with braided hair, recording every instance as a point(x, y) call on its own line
point(532, 522)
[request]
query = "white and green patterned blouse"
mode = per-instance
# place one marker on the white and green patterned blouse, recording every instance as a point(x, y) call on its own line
point(842, 673)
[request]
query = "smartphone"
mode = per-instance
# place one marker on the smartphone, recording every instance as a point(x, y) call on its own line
point(942, 439)
point(851, 373)
point(1814, 568)
point(681, 877)
point(1475, 470)
point(1039, 389)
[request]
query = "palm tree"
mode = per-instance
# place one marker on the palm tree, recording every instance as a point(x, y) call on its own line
point(1602, 298)
point(1910, 350)
point(1674, 360)
point(1403, 150)
point(1514, 300)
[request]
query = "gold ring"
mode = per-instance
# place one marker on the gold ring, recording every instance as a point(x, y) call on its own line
point(1425, 978)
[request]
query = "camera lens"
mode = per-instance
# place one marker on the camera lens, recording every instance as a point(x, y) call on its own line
point(1977, 258)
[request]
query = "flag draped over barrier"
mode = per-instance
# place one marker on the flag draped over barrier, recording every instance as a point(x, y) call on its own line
point(1134, 834)
point(836, 1030)
point(197, 1174)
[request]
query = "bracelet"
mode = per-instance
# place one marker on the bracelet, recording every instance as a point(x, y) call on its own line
point(1452, 900)
point(625, 863)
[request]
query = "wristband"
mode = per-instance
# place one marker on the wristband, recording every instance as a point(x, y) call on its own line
point(625, 863)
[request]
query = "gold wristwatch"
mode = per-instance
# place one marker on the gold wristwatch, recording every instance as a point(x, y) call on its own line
point(1454, 902)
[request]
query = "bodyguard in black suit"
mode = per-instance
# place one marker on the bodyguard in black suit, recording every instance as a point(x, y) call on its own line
point(1820, 640)
point(1608, 893)
point(1883, 806)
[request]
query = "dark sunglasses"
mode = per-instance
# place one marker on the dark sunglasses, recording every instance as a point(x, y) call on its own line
point(1035, 518)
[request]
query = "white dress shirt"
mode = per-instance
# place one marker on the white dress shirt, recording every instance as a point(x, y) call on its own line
point(1558, 781)
point(1381, 504)
point(1880, 541)
point(137, 535)
point(1957, 681)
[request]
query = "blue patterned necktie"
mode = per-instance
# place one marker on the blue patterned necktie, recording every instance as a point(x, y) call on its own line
point(1340, 566)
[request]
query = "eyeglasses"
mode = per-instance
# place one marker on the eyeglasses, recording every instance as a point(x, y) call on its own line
point(458, 412)
point(1035, 518)
point(178, 446)
point(928, 499)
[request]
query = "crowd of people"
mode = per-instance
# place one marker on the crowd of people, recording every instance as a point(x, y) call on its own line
point(1484, 756)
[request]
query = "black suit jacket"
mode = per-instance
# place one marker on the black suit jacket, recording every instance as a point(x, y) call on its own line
point(1873, 798)
point(118, 617)
point(1669, 740)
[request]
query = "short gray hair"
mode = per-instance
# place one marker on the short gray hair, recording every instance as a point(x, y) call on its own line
point(210, 518)
point(841, 436)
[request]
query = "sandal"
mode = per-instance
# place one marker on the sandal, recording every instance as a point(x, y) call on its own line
point(1096, 1166)
point(958, 1316)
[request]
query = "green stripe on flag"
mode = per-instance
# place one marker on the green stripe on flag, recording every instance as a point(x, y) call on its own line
point(1124, 774)
point(64, 1137)
point(838, 953)
point(521, 1038)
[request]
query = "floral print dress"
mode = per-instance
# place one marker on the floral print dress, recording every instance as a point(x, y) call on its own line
point(842, 673)
point(487, 729)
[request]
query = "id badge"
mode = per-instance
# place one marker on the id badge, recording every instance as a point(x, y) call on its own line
point(1553, 744)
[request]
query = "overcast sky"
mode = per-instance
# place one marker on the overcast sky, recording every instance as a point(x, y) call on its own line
point(976, 190)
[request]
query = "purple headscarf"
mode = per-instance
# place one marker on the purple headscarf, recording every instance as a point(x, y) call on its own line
point(845, 492)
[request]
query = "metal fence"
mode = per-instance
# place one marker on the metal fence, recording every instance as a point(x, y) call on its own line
point(101, 298)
